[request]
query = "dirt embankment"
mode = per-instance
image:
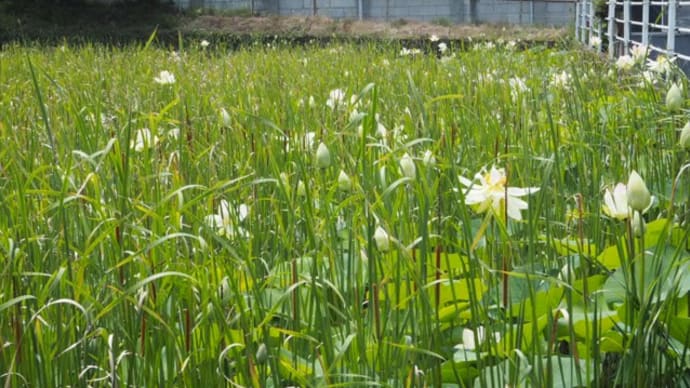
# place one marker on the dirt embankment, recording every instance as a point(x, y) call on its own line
point(318, 26)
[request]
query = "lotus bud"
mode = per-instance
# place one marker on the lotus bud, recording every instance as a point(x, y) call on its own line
point(261, 353)
point(684, 140)
point(323, 156)
point(407, 167)
point(382, 175)
point(674, 98)
point(225, 116)
point(429, 160)
point(285, 179)
point(383, 241)
point(638, 195)
point(638, 225)
point(301, 189)
point(344, 181)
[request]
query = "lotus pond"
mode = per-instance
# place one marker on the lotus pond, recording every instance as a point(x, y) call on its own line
point(347, 215)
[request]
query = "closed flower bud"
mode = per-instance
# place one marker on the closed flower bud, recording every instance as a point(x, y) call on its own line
point(301, 190)
point(684, 140)
point(261, 353)
point(383, 241)
point(407, 167)
point(674, 98)
point(344, 181)
point(639, 197)
point(429, 160)
point(323, 156)
point(285, 179)
point(225, 116)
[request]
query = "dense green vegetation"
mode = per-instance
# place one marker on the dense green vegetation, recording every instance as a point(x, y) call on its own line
point(342, 216)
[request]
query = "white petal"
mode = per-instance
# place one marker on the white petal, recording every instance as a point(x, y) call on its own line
point(243, 211)
point(517, 203)
point(609, 205)
point(466, 182)
point(213, 220)
point(496, 174)
point(224, 209)
point(468, 339)
point(514, 211)
point(519, 192)
point(474, 196)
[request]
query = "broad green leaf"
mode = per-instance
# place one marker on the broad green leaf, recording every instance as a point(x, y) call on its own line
point(543, 302)
point(458, 373)
point(666, 274)
point(568, 246)
point(679, 328)
point(612, 341)
point(611, 256)
point(521, 336)
point(450, 314)
point(562, 372)
point(582, 322)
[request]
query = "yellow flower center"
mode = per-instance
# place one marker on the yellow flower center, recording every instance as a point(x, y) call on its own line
point(495, 185)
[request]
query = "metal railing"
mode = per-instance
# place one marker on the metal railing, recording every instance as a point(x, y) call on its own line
point(651, 23)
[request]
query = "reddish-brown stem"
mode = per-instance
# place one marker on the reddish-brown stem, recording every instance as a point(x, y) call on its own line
point(377, 316)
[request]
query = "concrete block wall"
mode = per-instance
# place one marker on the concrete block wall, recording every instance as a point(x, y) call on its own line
point(216, 4)
point(425, 10)
point(456, 11)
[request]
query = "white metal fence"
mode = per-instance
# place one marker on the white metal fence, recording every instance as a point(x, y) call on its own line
point(660, 25)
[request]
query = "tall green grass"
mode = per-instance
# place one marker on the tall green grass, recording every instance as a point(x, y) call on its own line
point(114, 273)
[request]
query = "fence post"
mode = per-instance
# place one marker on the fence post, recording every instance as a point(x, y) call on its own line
point(612, 22)
point(645, 22)
point(577, 21)
point(626, 25)
point(671, 32)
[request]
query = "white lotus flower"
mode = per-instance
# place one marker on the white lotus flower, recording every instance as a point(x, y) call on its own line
point(662, 65)
point(469, 342)
point(561, 80)
point(595, 42)
point(616, 202)
point(625, 62)
point(517, 87)
point(442, 47)
point(407, 167)
point(620, 203)
point(639, 52)
point(335, 98)
point(409, 52)
point(490, 192)
point(165, 78)
point(204, 43)
point(143, 140)
point(433, 38)
point(222, 221)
